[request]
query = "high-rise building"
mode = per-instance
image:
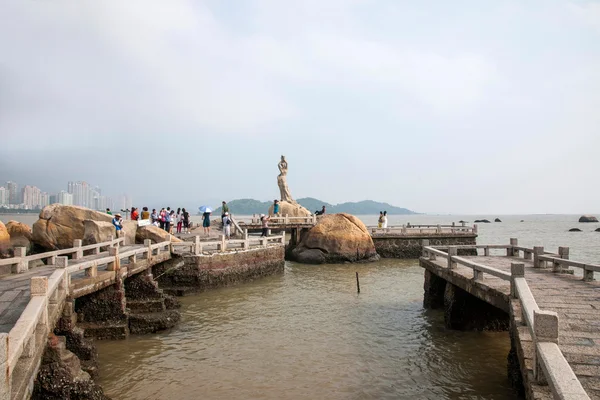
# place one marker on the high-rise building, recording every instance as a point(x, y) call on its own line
point(14, 196)
point(65, 198)
point(53, 199)
point(44, 199)
point(32, 197)
point(3, 196)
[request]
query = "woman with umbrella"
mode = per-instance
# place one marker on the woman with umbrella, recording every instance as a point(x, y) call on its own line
point(205, 210)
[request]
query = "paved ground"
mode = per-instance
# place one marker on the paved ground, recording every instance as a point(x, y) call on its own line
point(576, 302)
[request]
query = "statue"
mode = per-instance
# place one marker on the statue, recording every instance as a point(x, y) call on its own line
point(282, 181)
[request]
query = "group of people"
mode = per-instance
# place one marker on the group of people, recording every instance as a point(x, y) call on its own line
point(382, 222)
point(166, 219)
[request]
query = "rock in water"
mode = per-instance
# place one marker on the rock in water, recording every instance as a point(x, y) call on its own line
point(497, 220)
point(588, 218)
point(5, 245)
point(574, 230)
point(153, 233)
point(482, 221)
point(597, 230)
point(291, 209)
point(336, 238)
point(20, 234)
point(60, 225)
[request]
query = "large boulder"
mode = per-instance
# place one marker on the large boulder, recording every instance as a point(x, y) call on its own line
point(60, 225)
point(130, 229)
point(97, 232)
point(5, 245)
point(291, 209)
point(153, 233)
point(336, 238)
point(588, 218)
point(20, 234)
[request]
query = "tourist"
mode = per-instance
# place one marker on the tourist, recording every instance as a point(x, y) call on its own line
point(385, 220)
point(265, 225)
point(135, 215)
point(179, 220)
point(118, 224)
point(186, 220)
point(161, 218)
point(224, 210)
point(320, 212)
point(171, 221)
point(168, 219)
point(276, 208)
point(108, 211)
point(154, 217)
point(380, 220)
point(206, 222)
point(145, 213)
point(226, 225)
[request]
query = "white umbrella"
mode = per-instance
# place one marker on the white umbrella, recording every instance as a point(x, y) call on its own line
point(205, 209)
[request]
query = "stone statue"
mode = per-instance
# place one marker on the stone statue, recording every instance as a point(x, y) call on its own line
point(284, 190)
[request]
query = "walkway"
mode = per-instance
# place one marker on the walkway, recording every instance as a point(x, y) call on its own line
point(554, 288)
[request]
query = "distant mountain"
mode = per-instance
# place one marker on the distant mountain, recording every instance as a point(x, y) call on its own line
point(365, 207)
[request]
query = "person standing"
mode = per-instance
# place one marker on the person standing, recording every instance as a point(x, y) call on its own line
point(265, 225)
point(226, 225)
point(380, 220)
point(162, 218)
point(145, 213)
point(186, 220)
point(108, 211)
point(385, 221)
point(206, 222)
point(118, 224)
point(224, 210)
point(276, 208)
point(171, 221)
point(154, 217)
point(135, 215)
point(179, 220)
point(168, 219)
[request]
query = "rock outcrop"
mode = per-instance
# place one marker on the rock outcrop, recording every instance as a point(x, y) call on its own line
point(336, 238)
point(482, 221)
point(60, 225)
point(574, 230)
point(588, 218)
point(291, 209)
point(153, 233)
point(5, 245)
point(97, 232)
point(20, 234)
point(497, 220)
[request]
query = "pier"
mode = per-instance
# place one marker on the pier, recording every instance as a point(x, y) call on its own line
point(550, 311)
point(112, 280)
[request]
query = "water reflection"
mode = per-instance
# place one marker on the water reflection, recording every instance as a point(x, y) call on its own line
point(308, 334)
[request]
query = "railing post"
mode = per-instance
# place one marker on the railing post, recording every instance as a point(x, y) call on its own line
point(510, 252)
point(486, 251)
point(148, 244)
point(5, 378)
point(452, 251)
point(223, 243)
point(475, 228)
point(116, 264)
point(62, 262)
point(92, 271)
point(545, 327)
point(403, 229)
point(563, 252)
point(22, 264)
point(38, 286)
point(424, 243)
point(286, 220)
point(197, 250)
point(588, 274)
point(283, 237)
point(538, 251)
point(438, 229)
point(477, 275)
point(517, 270)
point(527, 255)
point(263, 242)
point(78, 255)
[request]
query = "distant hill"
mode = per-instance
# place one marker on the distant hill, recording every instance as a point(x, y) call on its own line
point(365, 207)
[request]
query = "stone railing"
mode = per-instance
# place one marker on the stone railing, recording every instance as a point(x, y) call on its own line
point(423, 229)
point(20, 262)
point(280, 220)
point(549, 366)
point(198, 247)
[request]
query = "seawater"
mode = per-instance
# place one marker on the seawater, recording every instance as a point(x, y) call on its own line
point(307, 334)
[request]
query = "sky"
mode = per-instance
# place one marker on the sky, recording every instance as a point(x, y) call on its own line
point(460, 107)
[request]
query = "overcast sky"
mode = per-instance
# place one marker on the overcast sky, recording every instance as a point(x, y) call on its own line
point(437, 106)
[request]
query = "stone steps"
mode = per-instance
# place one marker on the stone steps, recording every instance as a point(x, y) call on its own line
point(146, 306)
point(180, 290)
point(105, 330)
point(153, 322)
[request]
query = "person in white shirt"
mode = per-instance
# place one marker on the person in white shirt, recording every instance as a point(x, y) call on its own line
point(384, 220)
point(226, 225)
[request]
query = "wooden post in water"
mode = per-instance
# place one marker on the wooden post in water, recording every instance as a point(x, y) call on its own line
point(357, 283)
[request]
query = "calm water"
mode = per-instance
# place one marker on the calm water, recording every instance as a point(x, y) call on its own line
point(306, 334)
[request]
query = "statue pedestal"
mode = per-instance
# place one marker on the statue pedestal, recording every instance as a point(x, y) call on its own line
point(291, 209)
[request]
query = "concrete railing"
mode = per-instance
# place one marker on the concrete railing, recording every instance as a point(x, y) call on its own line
point(549, 365)
point(20, 262)
point(198, 247)
point(424, 229)
point(280, 220)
